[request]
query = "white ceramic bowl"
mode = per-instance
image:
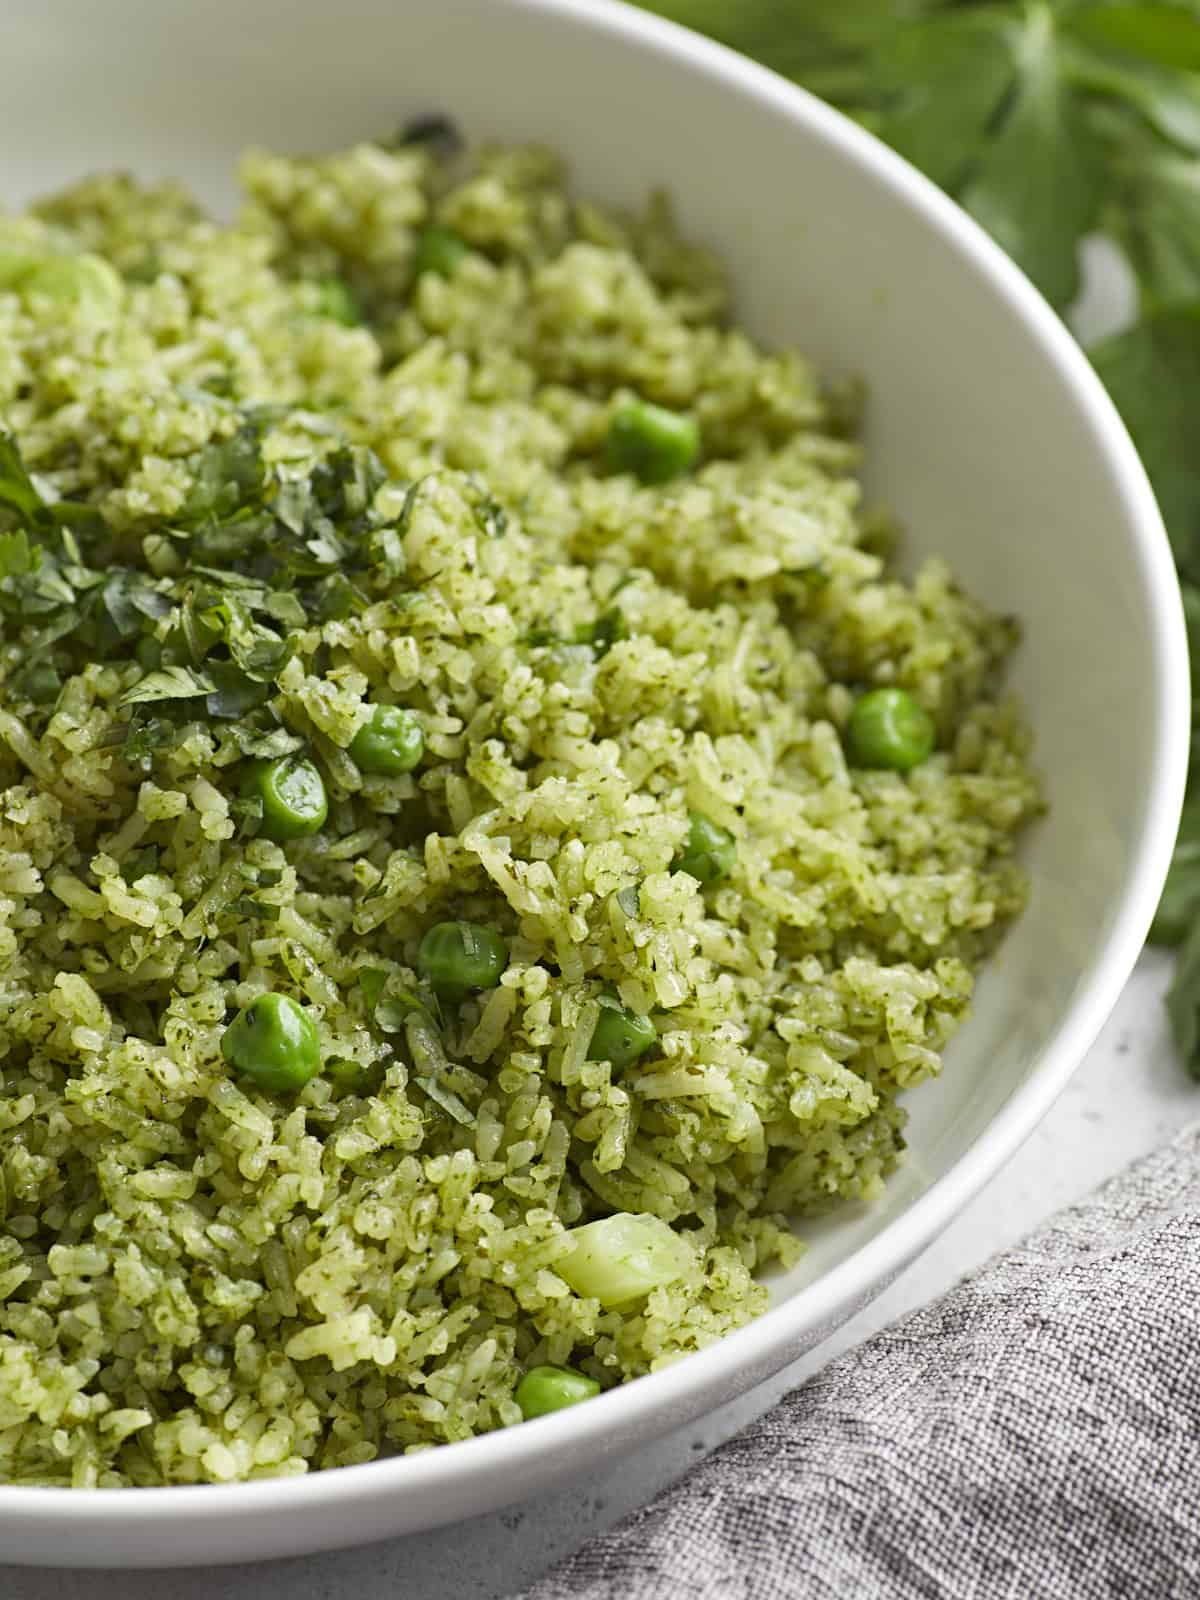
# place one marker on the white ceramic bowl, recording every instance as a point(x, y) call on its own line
point(988, 432)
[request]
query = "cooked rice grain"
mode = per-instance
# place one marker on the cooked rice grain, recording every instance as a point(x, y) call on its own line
point(200, 1282)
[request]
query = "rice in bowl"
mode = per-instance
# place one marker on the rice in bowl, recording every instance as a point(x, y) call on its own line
point(357, 450)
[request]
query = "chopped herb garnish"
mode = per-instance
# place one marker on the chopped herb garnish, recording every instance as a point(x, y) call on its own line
point(604, 632)
point(18, 557)
point(489, 513)
point(234, 693)
point(168, 683)
point(334, 598)
point(130, 598)
point(371, 981)
point(601, 634)
point(277, 554)
point(230, 477)
point(260, 910)
point(38, 681)
point(16, 486)
point(408, 505)
point(146, 736)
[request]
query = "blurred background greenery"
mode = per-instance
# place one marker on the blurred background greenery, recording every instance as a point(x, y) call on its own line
point(1051, 121)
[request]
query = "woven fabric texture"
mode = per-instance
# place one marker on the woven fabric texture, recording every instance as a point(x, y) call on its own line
point(1035, 1434)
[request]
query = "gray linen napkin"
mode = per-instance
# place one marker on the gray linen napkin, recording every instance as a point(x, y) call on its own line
point(1035, 1434)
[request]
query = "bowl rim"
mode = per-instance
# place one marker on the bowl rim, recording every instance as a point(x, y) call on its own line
point(760, 1346)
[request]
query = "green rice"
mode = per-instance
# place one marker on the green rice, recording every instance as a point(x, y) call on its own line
point(201, 1281)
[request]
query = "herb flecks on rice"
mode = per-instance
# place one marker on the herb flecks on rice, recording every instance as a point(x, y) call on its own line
point(256, 483)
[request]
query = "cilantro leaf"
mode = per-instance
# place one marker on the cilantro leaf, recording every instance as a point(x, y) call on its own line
point(1038, 180)
point(38, 680)
point(821, 45)
point(939, 85)
point(346, 482)
point(1167, 100)
point(230, 476)
point(281, 604)
point(16, 486)
point(1152, 371)
point(1166, 35)
point(233, 693)
point(604, 632)
point(146, 735)
point(282, 549)
point(490, 516)
point(335, 597)
point(1155, 216)
point(371, 981)
point(1003, 104)
point(19, 492)
point(131, 598)
point(324, 522)
point(258, 652)
point(167, 683)
point(18, 557)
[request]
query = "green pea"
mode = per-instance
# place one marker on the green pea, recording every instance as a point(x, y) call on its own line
point(887, 728)
point(651, 442)
point(708, 853)
point(84, 280)
point(438, 250)
point(389, 744)
point(546, 1389)
point(457, 956)
point(337, 302)
point(293, 797)
point(620, 1036)
point(274, 1043)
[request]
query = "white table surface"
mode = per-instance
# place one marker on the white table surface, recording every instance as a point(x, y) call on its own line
point(1127, 1097)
